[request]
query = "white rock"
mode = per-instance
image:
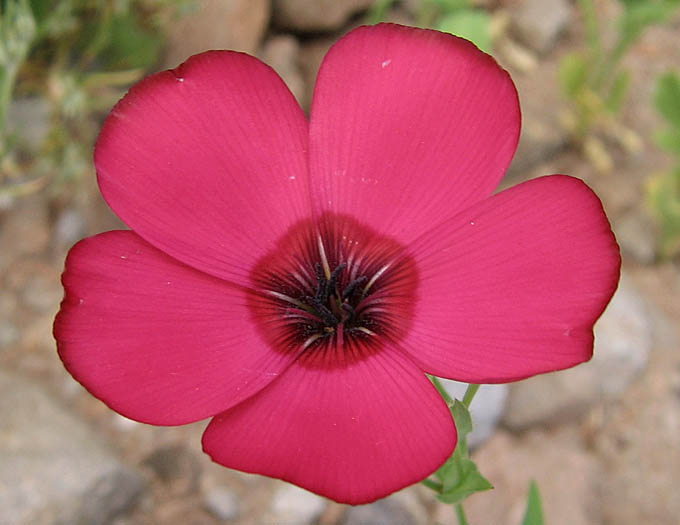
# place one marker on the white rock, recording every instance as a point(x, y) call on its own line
point(538, 23)
point(54, 468)
point(623, 340)
point(400, 508)
point(222, 502)
point(292, 504)
point(69, 228)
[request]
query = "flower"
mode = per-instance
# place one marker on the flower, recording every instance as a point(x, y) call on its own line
point(296, 279)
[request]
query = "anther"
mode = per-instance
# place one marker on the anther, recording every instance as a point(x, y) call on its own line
point(332, 282)
point(321, 284)
point(348, 311)
point(323, 312)
point(351, 287)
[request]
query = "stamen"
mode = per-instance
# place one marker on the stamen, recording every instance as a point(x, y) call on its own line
point(290, 300)
point(310, 340)
point(348, 311)
point(324, 259)
point(321, 284)
point(351, 287)
point(332, 282)
point(326, 315)
point(375, 278)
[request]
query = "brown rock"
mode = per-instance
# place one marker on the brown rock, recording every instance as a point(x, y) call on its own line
point(282, 52)
point(218, 24)
point(311, 56)
point(543, 136)
point(316, 15)
point(539, 23)
point(25, 229)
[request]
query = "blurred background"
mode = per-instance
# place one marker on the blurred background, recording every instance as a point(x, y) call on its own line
point(600, 92)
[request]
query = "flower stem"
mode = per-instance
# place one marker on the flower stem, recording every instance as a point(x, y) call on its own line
point(470, 394)
point(432, 484)
point(442, 391)
point(460, 513)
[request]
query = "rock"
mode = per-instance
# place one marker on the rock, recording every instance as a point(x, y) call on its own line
point(486, 409)
point(29, 119)
point(177, 467)
point(36, 283)
point(623, 340)
point(292, 504)
point(112, 495)
point(316, 15)
point(54, 468)
point(539, 23)
point(311, 56)
point(637, 235)
point(282, 53)
point(222, 503)
point(9, 333)
point(215, 24)
point(26, 228)
point(401, 508)
point(569, 480)
point(638, 439)
point(69, 228)
point(43, 294)
point(9, 329)
point(543, 136)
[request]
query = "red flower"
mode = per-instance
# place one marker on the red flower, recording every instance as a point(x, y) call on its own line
point(297, 279)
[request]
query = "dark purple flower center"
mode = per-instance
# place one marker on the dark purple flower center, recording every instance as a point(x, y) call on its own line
point(334, 283)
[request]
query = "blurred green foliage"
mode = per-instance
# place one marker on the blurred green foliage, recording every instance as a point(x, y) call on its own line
point(664, 189)
point(533, 515)
point(596, 84)
point(458, 17)
point(79, 56)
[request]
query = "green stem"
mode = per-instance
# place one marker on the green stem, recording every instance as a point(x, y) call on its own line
point(470, 394)
point(460, 513)
point(432, 484)
point(379, 11)
point(442, 391)
point(592, 30)
point(7, 79)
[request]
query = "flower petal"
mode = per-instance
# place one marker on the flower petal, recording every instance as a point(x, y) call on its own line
point(511, 287)
point(408, 127)
point(350, 427)
point(155, 339)
point(207, 162)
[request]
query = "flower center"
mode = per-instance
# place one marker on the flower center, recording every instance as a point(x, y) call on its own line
point(333, 283)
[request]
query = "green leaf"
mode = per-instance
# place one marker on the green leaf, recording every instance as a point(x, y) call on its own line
point(534, 512)
point(459, 476)
point(664, 198)
point(667, 97)
point(472, 24)
point(639, 15)
point(669, 139)
point(573, 72)
point(460, 479)
point(618, 91)
point(463, 419)
point(131, 45)
point(449, 6)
